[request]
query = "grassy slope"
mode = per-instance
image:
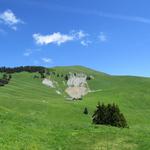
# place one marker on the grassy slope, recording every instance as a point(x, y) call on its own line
point(33, 116)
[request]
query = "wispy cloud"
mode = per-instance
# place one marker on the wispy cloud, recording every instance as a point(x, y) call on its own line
point(29, 52)
point(47, 60)
point(102, 37)
point(79, 34)
point(111, 15)
point(122, 17)
point(58, 38)
point(108, 15)
point(10, 19)
point(86, 42)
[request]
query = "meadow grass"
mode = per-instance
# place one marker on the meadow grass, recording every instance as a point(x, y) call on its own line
point(34, 117)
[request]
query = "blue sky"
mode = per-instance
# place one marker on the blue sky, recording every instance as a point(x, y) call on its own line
point(109, 36)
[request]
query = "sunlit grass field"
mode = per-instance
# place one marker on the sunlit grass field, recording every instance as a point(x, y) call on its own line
point(35, 117)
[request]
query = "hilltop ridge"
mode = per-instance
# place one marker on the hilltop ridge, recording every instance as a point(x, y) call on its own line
point(34, 116)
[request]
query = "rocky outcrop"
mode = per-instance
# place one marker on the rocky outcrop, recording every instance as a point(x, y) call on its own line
point(77, 86)
point(48, 83)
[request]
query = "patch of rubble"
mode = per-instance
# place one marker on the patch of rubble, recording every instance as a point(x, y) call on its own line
point(77, 86)
point(48, 83)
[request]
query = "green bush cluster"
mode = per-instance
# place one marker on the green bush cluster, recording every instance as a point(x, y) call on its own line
point(109, 115)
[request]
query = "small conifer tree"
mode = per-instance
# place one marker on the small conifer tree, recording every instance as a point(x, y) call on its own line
point(66, 77)
point(85, 111)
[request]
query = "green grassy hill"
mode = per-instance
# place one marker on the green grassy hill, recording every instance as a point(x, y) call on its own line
point(35, 117)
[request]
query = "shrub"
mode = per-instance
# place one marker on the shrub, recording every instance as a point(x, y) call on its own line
point(66, 77)
point(9, 77)
point(5, 76)
point(109, 115)
point(85, 111)
point(42, 75)
point(35, 76)
point(88, 78)
point(1, 84)
point(3, 81)
point(48, 73)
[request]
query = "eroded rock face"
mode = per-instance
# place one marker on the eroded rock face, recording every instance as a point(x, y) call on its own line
point(76, 92)
point(78, 81)
point(48, 83)
point(77, 86)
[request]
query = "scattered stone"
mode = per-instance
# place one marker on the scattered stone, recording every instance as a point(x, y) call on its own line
point(48, 83)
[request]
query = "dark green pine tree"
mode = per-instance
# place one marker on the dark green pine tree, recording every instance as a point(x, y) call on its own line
point(98, 116)
point(85, 111)
point(9, 77)
point(5, 76)
point(66, 77)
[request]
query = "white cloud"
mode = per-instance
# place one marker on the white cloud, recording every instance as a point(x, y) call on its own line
point(85, 42)
point(47, 60)
point(102, 37)
point(58, 38)
point(10, 19)
point(79, 34)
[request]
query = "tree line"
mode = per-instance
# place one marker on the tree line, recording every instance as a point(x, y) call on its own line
point(31, 69)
